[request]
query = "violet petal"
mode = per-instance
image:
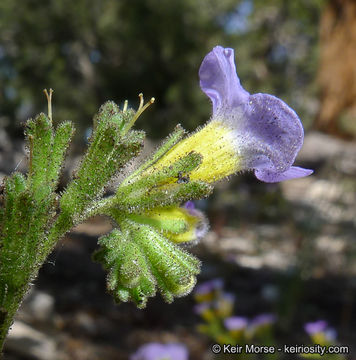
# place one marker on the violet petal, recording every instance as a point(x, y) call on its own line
point(219, 81)
point(271, 136)
point(235, 323)
point(201, 308)
point(157, 351)
point(293, 173)
point(268, 132)
point(209, 286)
point(315, 327)
point(189, 205)
point(263, 319)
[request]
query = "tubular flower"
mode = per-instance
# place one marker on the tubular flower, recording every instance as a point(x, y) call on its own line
point(246, 132)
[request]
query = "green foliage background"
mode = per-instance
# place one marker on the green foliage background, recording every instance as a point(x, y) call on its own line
point(93, 50)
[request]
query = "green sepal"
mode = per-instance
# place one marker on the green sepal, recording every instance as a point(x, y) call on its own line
point(166, 175)
point(163, 187)
point(23, 224)
point(106, 155)
point(129, 275)
point(61, 141)
point(13, 187)
point(40, 137)
point(138, 259)
point(172, 194)
point(110, 113)
point(173, 268)
point(175, 225)
point(167, 144)
point(15, 253)
point(47, 150)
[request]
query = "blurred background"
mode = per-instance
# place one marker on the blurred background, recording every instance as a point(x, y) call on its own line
point(286, 249)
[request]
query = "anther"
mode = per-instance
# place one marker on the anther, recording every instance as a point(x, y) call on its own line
point(49, 102)
point(140, 110)
point(152, 100)
point(140, 95)
point(126, 103)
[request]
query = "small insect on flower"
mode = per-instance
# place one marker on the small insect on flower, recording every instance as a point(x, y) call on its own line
point(182, 179)
point(246, 132)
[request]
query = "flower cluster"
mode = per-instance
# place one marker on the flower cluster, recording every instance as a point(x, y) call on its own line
point(320, 332)
point(216, 308)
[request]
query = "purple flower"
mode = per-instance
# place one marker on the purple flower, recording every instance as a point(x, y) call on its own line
point(201, 308)
point(224, 304)
point(156, 351)
point(263, 319)
point(189, 205)
point(235, 323)
point(267, 133)
point(315, 327)
point(228, 297)
point(320, 327)
point(208, 287)
point(330, 334)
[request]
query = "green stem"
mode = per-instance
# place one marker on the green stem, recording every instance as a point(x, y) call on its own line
point(17, 275)
point(100, 208)
point(9, 305)
point(64, 223)
point(12, 296)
